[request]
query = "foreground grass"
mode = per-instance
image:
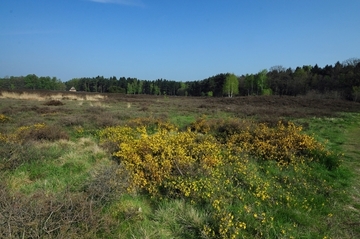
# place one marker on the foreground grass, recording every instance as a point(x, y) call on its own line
point(342, 134)
point(57, 166)
point(69, 185)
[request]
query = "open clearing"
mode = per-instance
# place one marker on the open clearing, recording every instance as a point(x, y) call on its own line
point(59, 178)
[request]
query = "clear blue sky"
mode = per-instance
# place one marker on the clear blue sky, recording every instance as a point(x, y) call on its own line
point(173, 39)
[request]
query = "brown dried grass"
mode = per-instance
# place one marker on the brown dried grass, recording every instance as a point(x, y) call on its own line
point(41, 95)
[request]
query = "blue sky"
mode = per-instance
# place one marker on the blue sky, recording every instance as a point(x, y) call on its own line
point(178, 40)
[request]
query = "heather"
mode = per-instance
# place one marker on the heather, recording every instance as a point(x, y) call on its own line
point(179, 167)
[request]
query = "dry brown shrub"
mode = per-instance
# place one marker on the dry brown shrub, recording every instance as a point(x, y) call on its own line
point(109, 146)
point(144, 108)
point(54, 103)
point(163, 117)
point(272, 121)
point(104, 120)
point(41, 215)
point(49, 132)
point(225, 128)
point(123, 116)
point(73, 120)
point(206, 106)
point(10, 110)
point(201, 125)
point(95, 110)
point(108, 183)
point(12, 155)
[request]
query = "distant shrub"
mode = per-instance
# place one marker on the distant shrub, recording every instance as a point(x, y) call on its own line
point(38, 131)
point(73, 120)
point(10, 110)
point(201, 125)
point(223, 129)
point(104, 120)
point(45, 132)
point(54, 103)
point(144, 108)
point(4, 118)
point(95, 110)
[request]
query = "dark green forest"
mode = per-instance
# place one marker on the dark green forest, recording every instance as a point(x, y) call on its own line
point(341, 80)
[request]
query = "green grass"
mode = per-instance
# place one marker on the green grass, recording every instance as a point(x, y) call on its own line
point(138, 217)
point(342, 135)
point(53, 167)
point(352, 162)
point(182, 121)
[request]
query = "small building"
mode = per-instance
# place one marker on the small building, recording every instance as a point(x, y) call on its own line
point(72, 89)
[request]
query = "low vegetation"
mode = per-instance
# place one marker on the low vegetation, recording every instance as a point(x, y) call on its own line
point(179, 167)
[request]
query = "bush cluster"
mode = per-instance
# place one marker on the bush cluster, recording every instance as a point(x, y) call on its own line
point(281, 143)
point(38, 131)
point(263, 166)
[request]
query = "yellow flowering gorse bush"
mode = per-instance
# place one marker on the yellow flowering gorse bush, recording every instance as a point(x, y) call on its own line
point(4, 118)
point(166, 156)
point(18, 135)
point(236, 179)
point(281, 143)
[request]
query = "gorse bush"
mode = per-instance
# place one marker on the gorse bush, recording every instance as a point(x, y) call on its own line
point(21, 133)
point(163, 158)
point(201, 125)
point(235, 179)
point(38, 131)
point(282, 143)
point(153, 160)
point(4, 118)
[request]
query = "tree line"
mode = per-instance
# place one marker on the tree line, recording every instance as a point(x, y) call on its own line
point(342, 79)
point(32, 82)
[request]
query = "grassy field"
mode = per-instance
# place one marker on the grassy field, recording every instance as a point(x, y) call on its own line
point(77, 165)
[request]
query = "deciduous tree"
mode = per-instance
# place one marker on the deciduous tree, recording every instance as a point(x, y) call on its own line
point(231, 85)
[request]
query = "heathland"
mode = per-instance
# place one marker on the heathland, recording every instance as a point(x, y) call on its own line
point(91, 165)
